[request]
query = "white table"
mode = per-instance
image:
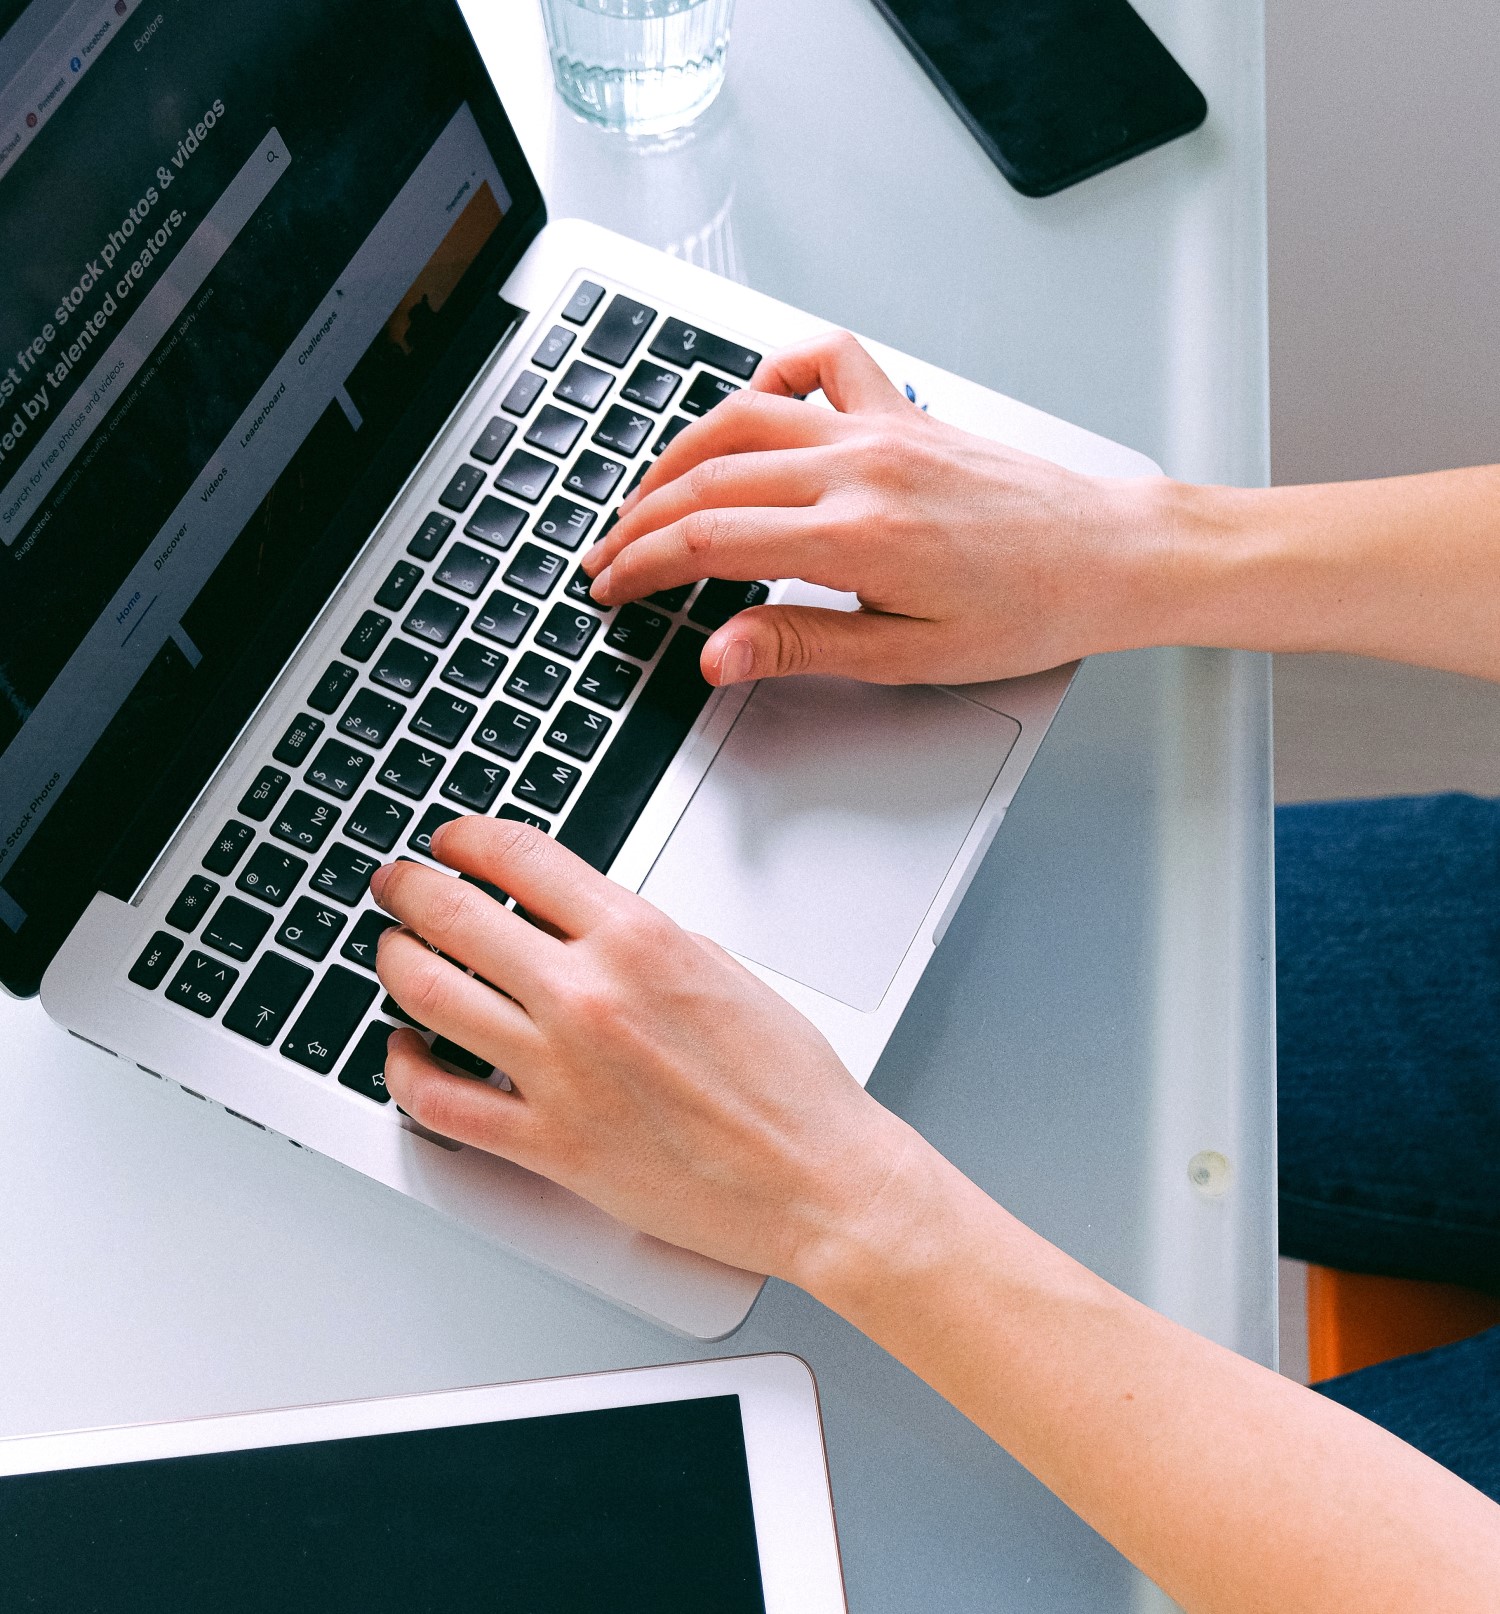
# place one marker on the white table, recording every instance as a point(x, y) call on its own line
point(1100, 1012)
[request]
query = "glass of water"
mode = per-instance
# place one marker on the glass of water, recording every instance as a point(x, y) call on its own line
point(644, 67)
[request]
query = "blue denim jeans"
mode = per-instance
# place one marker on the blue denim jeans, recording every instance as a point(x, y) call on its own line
point(1388, 1011)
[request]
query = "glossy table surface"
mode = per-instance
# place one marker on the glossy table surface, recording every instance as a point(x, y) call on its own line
point(1099, 1015)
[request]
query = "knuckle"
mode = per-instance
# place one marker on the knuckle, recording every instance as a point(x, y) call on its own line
point(426, 988)
point(792, 644)
point(702, 532)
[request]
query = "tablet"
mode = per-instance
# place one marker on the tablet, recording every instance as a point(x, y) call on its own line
point(696, 1487)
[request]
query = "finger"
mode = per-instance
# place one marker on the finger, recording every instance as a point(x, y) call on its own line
point(837, 366)
point(776, 641)
point(441, 997)
point(457, 1107)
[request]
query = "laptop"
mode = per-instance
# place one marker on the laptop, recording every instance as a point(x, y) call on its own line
point(308, 414)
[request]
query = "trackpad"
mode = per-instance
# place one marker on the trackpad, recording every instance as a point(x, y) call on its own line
point(826, 825)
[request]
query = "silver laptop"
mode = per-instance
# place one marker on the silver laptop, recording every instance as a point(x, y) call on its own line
point(306, 416)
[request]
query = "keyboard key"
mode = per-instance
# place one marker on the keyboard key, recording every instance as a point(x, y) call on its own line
point(492, 440)
point(431, 536)
point(679, 343)
point(650, 386)
point(434, 618)
point(519, 815)
point(304, 821)
point(338, 768)
point(296, 744)
point(329, 1020)
point(583, 302)
point(705, 392)
point(495, 522)
point(583, 386)
point(228, 848)
point(630, 770)
point(263, 795)
point(271, 874)
point(475, 783)
point(311, 928)
point(619, 331)
point(721, 600)
point(564, 523)
point(192, 903)
point(236, 928)
point(364, 939)
point(535, 569)
point(536, 680)
point(638, 631)
point(410, 768)
point(332, 687)
point(545, 782)
point(267, 998)
point(670, 599)
point(396, 590)
point(567, 631)
point(636, 480)
point(377, 821)
point(594, 476)
point(506, 730)
point(466, 570)
point(364, 1069)
point(465, 1063)
point(608, 680)
point(524, 391)
point(677, 424)
point(465, 482)
point(505, 618)
point(365, 637)
point(554, 348)
point(622, 430)
point(157, 957)
point(577, 730)
point(371, 717)
point(202, 984)
point(578, 589)
point(526, 475)
point(403, 667)
point(474, 667)
point(433, 819)
point(442, 717)
point(344, 874)
point(555, 430)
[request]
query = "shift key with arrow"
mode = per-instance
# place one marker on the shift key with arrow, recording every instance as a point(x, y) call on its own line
point(267, 998)
point(330, 1019)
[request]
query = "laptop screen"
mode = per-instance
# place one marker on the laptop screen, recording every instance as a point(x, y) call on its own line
point(249, 257)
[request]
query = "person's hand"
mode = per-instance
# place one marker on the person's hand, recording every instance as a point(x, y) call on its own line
point(971, 560)
point(652, 1073)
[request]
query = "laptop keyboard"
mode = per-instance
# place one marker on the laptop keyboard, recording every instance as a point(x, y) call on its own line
point(480, 677)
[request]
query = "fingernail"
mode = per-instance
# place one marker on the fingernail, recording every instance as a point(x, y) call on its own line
point(378, 879)
point(735, 663)
point(600, 586)
point(434, 840)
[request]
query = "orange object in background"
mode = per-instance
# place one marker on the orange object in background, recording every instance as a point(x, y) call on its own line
point(1355, 1320)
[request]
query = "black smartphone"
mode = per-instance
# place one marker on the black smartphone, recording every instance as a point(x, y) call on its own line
point(1054, 90)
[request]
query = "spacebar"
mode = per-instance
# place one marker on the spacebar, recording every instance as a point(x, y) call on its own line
point(665, 710)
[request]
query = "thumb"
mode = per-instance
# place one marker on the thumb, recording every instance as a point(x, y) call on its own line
point(775, 641)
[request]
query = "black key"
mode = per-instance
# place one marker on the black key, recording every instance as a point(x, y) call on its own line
point(608, 680)
point(474, 667)
point(364, 939)
point(464, 1062)
point(638, 631)
point(567, 631)
point(705, 392)
point(431, 536)
point(338, 769)
point(577, 730)
point(377, 821)
point(395, 591)
point(526, 475)
point(535, 569)
point(229, 848)
point(594, 476)
point(364, 1069)
point(492, 440)
point(344, 874)
point(474, 783)
point(262, 796)
point(158, 956)
point(650, 386)
point(296, 744)
point(236, 928)
point(628, 772)
point(578, 589)
point(506, 730)
point(371, 717)
point(495, 522)
point(720, 600)
point(271, 874)
point(619, 331)
point(554, 348)
point(622, 430)
point(636, 480)
point(333, 1012)
point(465, 482)
point(504, 618)
point(433, 819)
point(403, 667)
point(465, 570)
point(332, 687)
point(192, 903)
point(410, 768)
point(365, 636)
point(434, 618)
point(555, 430)
point(583, 302)
point(202, 984)
point(545, 782)
point(520, 816)
point(678, 423)
point(536, 680)
point(679, 343)
point(311, 928)
point(583, 386)
point(442, 717)
point(304, 821)
point(524, 391)
point(267, 998)
point(564, 523)
point(670, 599)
